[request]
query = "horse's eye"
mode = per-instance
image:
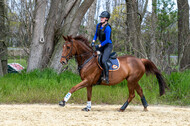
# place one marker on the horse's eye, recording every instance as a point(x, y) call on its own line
point(68, 47)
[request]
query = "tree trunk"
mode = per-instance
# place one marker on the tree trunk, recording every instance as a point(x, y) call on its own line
point(132, 25)
point(108, 5)
point(70, 29)
point(54, 62)
point(59, 10)
point(143, 9)
point(97, 10)
point(153, 32)
point(79, 16)
point(185, 61)
point(37, 43)
point(1, 69)
point(50, 29)
point(3, 56)
point(3, 47)
point(90, 27)
point(183, 34)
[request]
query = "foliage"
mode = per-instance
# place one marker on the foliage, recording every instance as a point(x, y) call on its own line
point(117, 22)
point(49, 87)
point(167, 16)
point(166, 33)
point(179, 83)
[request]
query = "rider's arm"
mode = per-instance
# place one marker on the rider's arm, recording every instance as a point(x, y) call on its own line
point(108, 35)
point(96, 33)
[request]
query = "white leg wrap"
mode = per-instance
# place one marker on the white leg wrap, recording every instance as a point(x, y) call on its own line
point(66, 98)
point(89, 105)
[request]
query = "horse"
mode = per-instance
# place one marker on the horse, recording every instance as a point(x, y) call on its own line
point(131, 68)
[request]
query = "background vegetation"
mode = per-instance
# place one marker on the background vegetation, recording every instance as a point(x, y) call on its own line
point(49, 87)
point(31, 34)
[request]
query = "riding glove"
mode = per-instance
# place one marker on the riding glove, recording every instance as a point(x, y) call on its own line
point(97, 47)
point(93, 44)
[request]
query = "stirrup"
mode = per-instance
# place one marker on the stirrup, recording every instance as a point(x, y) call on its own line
point(105, 80)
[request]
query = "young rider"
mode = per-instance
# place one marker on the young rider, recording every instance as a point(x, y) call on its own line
point(103, 32)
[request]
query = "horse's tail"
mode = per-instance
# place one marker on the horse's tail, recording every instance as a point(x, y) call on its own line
point(152, 69)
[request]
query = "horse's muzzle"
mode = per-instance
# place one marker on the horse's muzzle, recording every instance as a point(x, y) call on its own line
point(64, 62)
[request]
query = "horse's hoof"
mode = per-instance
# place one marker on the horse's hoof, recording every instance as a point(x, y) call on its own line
point(121, 110)
point(86, 109)
point(145, 109)
point(62, 103)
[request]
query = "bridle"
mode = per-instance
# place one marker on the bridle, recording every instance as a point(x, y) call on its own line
point(79, 55)
point(69, 52)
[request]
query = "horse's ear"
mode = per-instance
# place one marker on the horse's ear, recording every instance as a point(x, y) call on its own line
point(69, 38)
point(64, 38)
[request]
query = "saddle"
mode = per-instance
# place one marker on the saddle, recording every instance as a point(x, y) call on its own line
point(113, 62)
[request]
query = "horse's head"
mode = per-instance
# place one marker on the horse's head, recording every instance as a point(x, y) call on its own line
point(68, 50)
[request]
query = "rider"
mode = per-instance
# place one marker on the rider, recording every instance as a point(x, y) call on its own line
point(103, 32)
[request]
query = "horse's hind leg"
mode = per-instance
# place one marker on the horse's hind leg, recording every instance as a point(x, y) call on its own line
point(131, 89)
point(140, 93)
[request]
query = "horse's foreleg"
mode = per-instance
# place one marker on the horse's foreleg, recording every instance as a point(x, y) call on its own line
point(89, 95)
point(140, 93)
point(82, 84)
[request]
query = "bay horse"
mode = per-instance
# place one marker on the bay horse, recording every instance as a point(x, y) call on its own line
point(131, 68)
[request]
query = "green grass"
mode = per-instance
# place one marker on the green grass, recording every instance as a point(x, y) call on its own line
point(48, 87)
point(179, 83)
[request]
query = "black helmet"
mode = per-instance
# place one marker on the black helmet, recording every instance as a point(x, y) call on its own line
point(105, 14)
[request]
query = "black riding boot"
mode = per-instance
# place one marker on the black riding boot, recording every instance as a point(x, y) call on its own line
point(106, 74)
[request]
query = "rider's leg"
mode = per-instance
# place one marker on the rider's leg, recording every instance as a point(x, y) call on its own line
point(105, 57)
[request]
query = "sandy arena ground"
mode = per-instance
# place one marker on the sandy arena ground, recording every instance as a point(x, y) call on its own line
point(101, 115)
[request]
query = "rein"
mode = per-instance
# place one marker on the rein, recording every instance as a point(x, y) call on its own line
point(85, 62)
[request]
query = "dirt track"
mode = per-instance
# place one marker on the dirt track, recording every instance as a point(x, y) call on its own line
point(42, 114)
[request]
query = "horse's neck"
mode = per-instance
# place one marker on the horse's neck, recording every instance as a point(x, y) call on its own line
point(83, 53)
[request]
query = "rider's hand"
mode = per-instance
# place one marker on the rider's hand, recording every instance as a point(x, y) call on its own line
point(93, 44)
point(97, 47)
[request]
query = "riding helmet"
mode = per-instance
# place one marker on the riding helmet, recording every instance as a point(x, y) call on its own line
point(105, 14)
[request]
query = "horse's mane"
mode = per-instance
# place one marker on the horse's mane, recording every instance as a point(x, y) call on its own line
point(84, 40)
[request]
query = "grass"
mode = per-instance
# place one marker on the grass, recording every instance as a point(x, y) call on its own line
point(48, 87)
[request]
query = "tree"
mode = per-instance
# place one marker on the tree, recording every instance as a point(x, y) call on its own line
point(3, 46)
point(64, 17)
point(183, 34)
point(37, 43)
point(133, 22)
point(153, 32)
point(90, 27)
point(58, 13)
point(107, 5)
point(72, 29)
